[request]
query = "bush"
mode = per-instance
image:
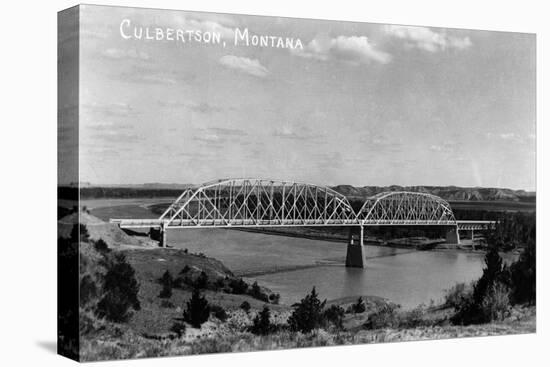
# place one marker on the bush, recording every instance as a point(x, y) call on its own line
point(245, 306)
point(178, 328)
point(101, 246)
point(198, 310)
point(455, 296)
point(523, 277)
point(166, 304)
point(88, 289)
point(202, 281)
point(120, 289)
point(218, 312)
point(261, 325)
point(274, 298)
point(307, 314)
point(385, 317)
point(79, 233)
point(359, 306)
point(496, 303)
point(167, 282)
point(334, 315)
point(238, 286)
point(414, 318)
point(256, 292)
point(489, 299)
point(165, 292)
point(218, 284)
point(185, 270)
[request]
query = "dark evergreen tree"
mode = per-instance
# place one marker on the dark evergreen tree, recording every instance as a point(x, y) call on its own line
point(334, 315)
point(79, 233)
point(120, 289)
point(202, 281)
point(523, 276)
point(359, 306)
point(198, 309)
point(307, 314)
point(101, 246)
point(492, 272)
point(167, 282)
point(245, 306)
point(261, 325)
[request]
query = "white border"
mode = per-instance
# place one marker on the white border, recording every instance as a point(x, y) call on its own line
point(28, 59)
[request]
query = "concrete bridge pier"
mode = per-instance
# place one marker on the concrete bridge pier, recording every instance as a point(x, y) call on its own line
point(355, 256)
point(159, 234)
point(452, 236)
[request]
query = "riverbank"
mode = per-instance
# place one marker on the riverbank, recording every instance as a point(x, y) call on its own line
point(224, 337)
point(149, 331)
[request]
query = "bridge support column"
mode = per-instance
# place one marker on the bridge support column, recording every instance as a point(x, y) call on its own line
point(159, 234)
point(355, 256)
point(162, 240)
point(452, 236)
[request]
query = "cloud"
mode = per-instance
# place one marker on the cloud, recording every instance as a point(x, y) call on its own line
point(244, 65)
point(447, 146)
point(144, 74)
point(355, 50)
point(200, 107)
point(225, 131)
point(118, 54)
point(115, 109)
point(426, 39)
point(207, 23)
point(300, 133)
point(203, 107)
point(382, 142)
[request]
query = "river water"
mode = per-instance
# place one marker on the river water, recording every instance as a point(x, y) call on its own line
point(292, 266)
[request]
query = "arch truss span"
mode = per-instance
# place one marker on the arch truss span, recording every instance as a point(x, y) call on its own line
point(406, 208)
point(249, 202)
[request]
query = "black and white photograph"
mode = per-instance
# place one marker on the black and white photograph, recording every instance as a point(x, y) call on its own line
point(233, 183)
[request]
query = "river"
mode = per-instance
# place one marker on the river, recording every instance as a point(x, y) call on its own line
point(292, 266)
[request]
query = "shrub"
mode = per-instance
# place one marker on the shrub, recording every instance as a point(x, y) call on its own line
point(496, 303)
point(454, 296)
point(218, 312)
point(185, 269)
point(245, 306)
point(359, 306)
point(523, 276)
point(256, 292)
point(202, 281)
point(274, 298)
point(261, 325)
point(238, 286)
point(307, 314)
point(166, 304)
point(494, 271)
point(88, 289)
point(489, 298)
point(79, 233)
point(334, 315)
point(198, 310)
point(414, 318)
point(384, 317)
point(218, 284)
point(167, 282)
point(101, 246)
point(178, 328)
point(120, 289)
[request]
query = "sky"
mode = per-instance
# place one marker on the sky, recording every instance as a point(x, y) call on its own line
point(360, 104)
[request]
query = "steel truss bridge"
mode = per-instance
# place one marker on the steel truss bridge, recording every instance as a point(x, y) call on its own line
point(251, 202)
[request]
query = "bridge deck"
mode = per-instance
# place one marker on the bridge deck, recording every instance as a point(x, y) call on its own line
point(243, 223)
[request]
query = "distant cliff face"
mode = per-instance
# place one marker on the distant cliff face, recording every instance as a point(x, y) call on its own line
point(450, 193)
